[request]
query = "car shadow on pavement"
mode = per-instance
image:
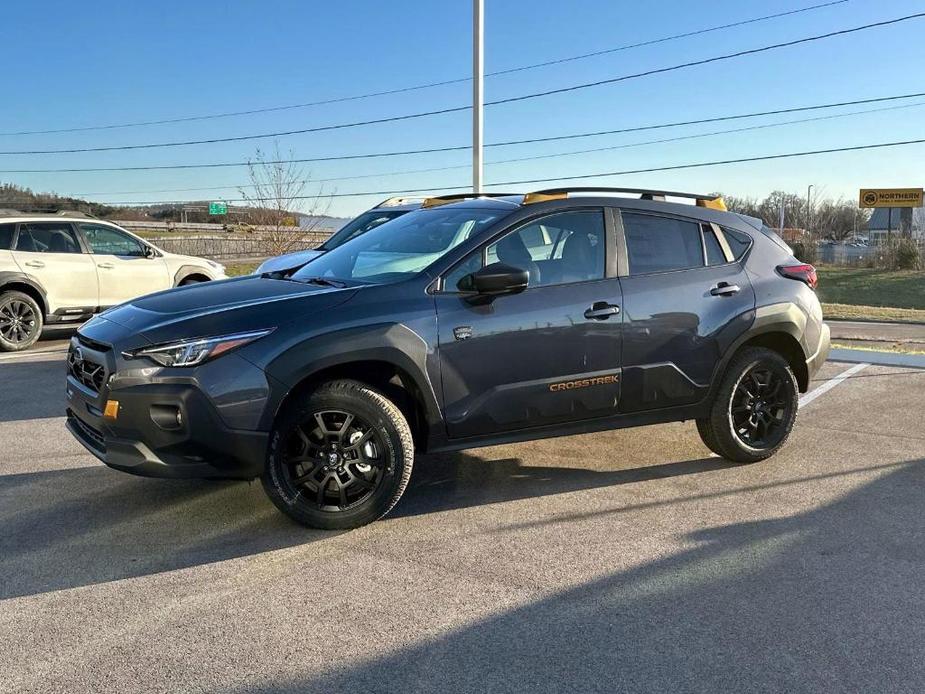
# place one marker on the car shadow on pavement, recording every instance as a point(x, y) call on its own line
point(827, 600)
point(32, 389)
point(448, 481)
point(75, 527)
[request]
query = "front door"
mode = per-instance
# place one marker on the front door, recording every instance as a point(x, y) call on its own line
point(50, 253)
point(549, 354)
point(685, 300)
point(124, 268)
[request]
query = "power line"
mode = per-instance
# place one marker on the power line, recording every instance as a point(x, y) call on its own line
point(403, 90)
point(455, 109)
point(625, 172)
point(553, 138)
point(517, 159)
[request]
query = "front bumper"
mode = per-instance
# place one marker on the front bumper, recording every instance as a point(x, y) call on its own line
point(141, 439)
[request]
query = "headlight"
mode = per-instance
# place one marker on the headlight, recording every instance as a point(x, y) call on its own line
point(195, 352)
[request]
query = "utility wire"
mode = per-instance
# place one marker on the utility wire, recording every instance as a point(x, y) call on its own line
point(404, 90)
point(455, 109)
point(376, 155)
point(625, 172)
point(553, 155)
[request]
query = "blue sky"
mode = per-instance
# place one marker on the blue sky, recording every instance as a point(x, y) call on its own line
point(77, 64)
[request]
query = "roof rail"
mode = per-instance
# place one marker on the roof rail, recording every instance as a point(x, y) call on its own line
point(711, 200)
point(392, 202)
point(454, 197)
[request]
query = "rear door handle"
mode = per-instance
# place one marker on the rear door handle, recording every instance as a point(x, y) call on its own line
point(601, 310)
point(34, 263)
point(105, 266)
point(725, 289)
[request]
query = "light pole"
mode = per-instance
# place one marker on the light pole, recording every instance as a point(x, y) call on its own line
point(477, 93)
point(809, 209)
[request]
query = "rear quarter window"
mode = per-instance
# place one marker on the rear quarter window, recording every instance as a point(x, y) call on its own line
point(6, 236)
point(738, 242)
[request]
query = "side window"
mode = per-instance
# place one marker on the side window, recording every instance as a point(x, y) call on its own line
point(6, 236)
point(47, 237)
point(558, 249)
point(715, 255)
point(661, 244)
point(104, 240)
point(738, 242)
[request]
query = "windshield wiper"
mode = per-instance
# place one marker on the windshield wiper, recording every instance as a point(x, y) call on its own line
point(323, 281)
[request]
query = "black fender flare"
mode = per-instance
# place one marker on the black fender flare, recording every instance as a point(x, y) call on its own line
point(392, 343)
point(7, 278)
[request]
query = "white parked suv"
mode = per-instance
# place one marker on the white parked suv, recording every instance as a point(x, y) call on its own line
point(66, 267)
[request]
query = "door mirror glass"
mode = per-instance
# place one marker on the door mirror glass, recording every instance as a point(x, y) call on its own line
point(495, 279)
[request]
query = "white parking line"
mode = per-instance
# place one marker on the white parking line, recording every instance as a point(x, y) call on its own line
point(828, 385)
point(31, 356)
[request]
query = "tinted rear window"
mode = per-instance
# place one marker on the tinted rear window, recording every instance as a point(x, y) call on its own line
point(661, 244)
point(6, 236)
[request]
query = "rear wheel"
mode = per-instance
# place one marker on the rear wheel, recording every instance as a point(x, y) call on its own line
point(339, 458)
point(190, 280)
point(20, 321)
point(754, 409)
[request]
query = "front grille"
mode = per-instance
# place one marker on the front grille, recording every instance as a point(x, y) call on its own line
point(89, 373)
point(90, 436)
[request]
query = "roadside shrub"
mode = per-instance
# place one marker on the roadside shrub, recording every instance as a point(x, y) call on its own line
point(806, 251)
point(907, 255)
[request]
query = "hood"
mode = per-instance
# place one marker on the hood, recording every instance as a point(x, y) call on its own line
point(216, 308)
point(290, 261)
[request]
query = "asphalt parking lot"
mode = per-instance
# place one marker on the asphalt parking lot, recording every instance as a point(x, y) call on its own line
point(628, 560)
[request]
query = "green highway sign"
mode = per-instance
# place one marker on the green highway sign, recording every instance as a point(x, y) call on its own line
point(218, 208)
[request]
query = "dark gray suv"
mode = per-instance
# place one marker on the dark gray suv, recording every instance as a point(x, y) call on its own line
point(472, 321)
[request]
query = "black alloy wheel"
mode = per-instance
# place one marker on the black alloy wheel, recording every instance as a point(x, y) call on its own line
point(334, 459)
point(760, 407)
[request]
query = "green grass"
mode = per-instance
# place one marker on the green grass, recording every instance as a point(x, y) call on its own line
point(872, 287)
point(240, 269)
point(874, 313)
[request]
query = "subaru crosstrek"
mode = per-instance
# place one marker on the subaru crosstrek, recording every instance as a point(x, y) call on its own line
point(472, 321)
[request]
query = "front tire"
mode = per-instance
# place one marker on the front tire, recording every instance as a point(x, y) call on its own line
point(754, 409)
point(339, 457)
point(21, 321)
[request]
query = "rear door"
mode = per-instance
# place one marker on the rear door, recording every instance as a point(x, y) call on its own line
point(546, 355)
point(50, 253)
point(685, 299)
point(124, 268)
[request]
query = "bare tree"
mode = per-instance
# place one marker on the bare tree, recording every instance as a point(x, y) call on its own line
point(287, 219)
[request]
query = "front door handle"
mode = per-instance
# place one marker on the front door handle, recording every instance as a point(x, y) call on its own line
point(105, 266)
point(725, 289)
point(601, 310)
point(34, 263)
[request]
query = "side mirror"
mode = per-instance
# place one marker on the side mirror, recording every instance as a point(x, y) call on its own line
point(149, 252)
point(495, 279)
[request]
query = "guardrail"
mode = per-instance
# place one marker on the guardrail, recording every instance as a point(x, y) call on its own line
point(223, 247)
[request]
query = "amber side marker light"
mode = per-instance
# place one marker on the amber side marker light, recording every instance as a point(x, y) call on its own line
point(112, 409)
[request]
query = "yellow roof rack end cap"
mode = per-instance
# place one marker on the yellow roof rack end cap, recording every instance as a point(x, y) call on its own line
point(712, 203)
point(531, 198)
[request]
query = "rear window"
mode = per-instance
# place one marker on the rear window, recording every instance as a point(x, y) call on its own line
point(6, 236)
point(661, 244)
point(715, 255)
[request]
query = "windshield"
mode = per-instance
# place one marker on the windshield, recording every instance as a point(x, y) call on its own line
point(400, 248)
point(360, 225)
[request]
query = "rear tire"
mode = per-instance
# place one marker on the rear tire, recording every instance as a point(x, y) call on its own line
point(190, 280)
point(21, 321)
point(339, 457)
point(754, 409)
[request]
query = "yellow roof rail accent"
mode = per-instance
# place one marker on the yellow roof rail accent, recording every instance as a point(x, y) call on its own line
point(712, 204)
point(436, 202)
point(531, 198)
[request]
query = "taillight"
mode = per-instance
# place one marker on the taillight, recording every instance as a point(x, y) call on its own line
point(804, 273)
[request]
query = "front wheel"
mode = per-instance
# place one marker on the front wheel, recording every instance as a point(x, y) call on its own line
point(754, 409)
point(339, 457)
point(20, 321)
